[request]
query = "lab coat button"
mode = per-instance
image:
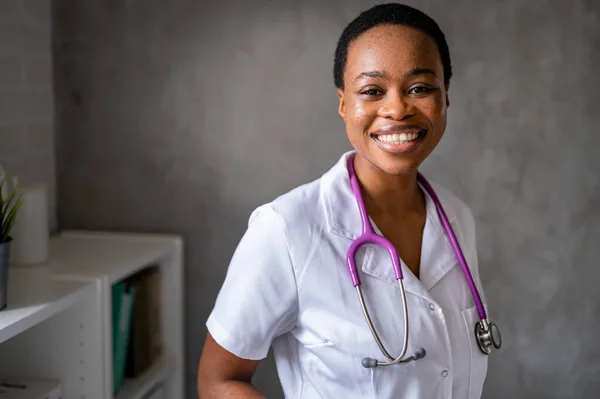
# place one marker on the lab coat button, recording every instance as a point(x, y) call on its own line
point(445, 373)
point(431, 306)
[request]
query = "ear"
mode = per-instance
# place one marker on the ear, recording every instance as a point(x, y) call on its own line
point(342, 106)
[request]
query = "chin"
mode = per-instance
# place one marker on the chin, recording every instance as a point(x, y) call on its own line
point(395, 161)
point(397, 164)
point(399, 168)
point(393, 166)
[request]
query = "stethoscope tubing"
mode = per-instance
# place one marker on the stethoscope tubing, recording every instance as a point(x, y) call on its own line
point(368, 236)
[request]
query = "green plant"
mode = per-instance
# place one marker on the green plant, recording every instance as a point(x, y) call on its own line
point(9, 206)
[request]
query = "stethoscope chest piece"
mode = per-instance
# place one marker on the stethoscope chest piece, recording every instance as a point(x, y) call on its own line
point(487, 335)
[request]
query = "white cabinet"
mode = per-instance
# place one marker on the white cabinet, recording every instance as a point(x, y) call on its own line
point(58, 323)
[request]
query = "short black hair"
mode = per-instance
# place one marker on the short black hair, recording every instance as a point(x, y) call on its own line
point(390, 13)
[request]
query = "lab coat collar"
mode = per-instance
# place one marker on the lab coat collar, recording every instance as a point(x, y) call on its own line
point(343, 219)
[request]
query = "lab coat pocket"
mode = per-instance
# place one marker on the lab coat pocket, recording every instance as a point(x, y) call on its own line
point(311, 338)
point(318, 344)
point(479, 361)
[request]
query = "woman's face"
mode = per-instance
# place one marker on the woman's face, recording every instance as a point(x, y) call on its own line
point(394, 100)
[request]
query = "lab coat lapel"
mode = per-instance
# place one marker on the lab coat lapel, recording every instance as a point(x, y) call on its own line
point(437, 255)
point(377, 263)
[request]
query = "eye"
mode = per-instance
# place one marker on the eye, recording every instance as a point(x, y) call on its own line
point(372, 92)
point(420, 90)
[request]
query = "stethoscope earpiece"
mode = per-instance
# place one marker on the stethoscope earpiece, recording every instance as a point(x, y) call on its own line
point(370, 363)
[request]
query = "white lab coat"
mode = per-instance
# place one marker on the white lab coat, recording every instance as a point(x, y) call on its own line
point(288, 287)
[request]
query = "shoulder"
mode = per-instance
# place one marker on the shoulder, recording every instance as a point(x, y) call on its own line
point(289, 223)
point(306, 207)
point(463, 223)
point(292, 210)
point(453, 205)
point(460, 216)
point(305, 203)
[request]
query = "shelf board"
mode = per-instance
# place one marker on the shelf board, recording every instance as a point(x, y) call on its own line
point(138, 388)
point(111, 255)
point(34, 296)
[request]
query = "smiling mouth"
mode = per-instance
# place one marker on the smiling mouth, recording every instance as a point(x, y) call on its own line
point(400, 138)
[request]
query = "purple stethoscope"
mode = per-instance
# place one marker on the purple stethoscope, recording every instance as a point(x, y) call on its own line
point(486, 332)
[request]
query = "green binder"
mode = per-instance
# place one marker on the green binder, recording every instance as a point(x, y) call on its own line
point(122, 305)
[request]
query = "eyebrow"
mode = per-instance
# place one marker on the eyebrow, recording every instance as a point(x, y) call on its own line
point(384, 75)
point(422, 71)
point(372, 74)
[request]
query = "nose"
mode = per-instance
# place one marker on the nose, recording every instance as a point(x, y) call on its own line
point(396, 106)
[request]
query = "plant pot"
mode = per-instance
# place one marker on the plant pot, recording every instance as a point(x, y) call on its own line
point(4, 257)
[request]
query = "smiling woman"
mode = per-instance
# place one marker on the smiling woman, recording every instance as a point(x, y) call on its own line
point(288, 285)
point(393, 97)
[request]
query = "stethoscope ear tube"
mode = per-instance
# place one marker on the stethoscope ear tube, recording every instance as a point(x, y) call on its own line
point(369, 362)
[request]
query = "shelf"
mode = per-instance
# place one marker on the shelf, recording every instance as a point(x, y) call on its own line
point(33, 297)
point(110, 255)
point(59, 313)
point(140, 387)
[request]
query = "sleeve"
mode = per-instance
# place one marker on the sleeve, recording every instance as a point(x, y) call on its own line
point(258, 300)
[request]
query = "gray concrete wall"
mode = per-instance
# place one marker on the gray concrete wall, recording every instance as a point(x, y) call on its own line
point(26, 97)
point(183, 116)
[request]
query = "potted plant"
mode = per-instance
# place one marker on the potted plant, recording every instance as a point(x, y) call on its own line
point(9, 206)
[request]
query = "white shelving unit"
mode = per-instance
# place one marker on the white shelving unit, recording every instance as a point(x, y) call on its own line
point(33, 298)
point(58, 323)
point(136, 389)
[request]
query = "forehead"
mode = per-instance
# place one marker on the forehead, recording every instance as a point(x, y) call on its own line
point(395, 49)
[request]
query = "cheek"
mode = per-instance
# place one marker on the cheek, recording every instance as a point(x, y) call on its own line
point(441, 116)
point(360, 116)
point(436, 111)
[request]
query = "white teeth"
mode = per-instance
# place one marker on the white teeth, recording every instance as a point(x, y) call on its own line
point(398, 138)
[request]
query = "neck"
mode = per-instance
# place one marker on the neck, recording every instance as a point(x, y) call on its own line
point(397, 195)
